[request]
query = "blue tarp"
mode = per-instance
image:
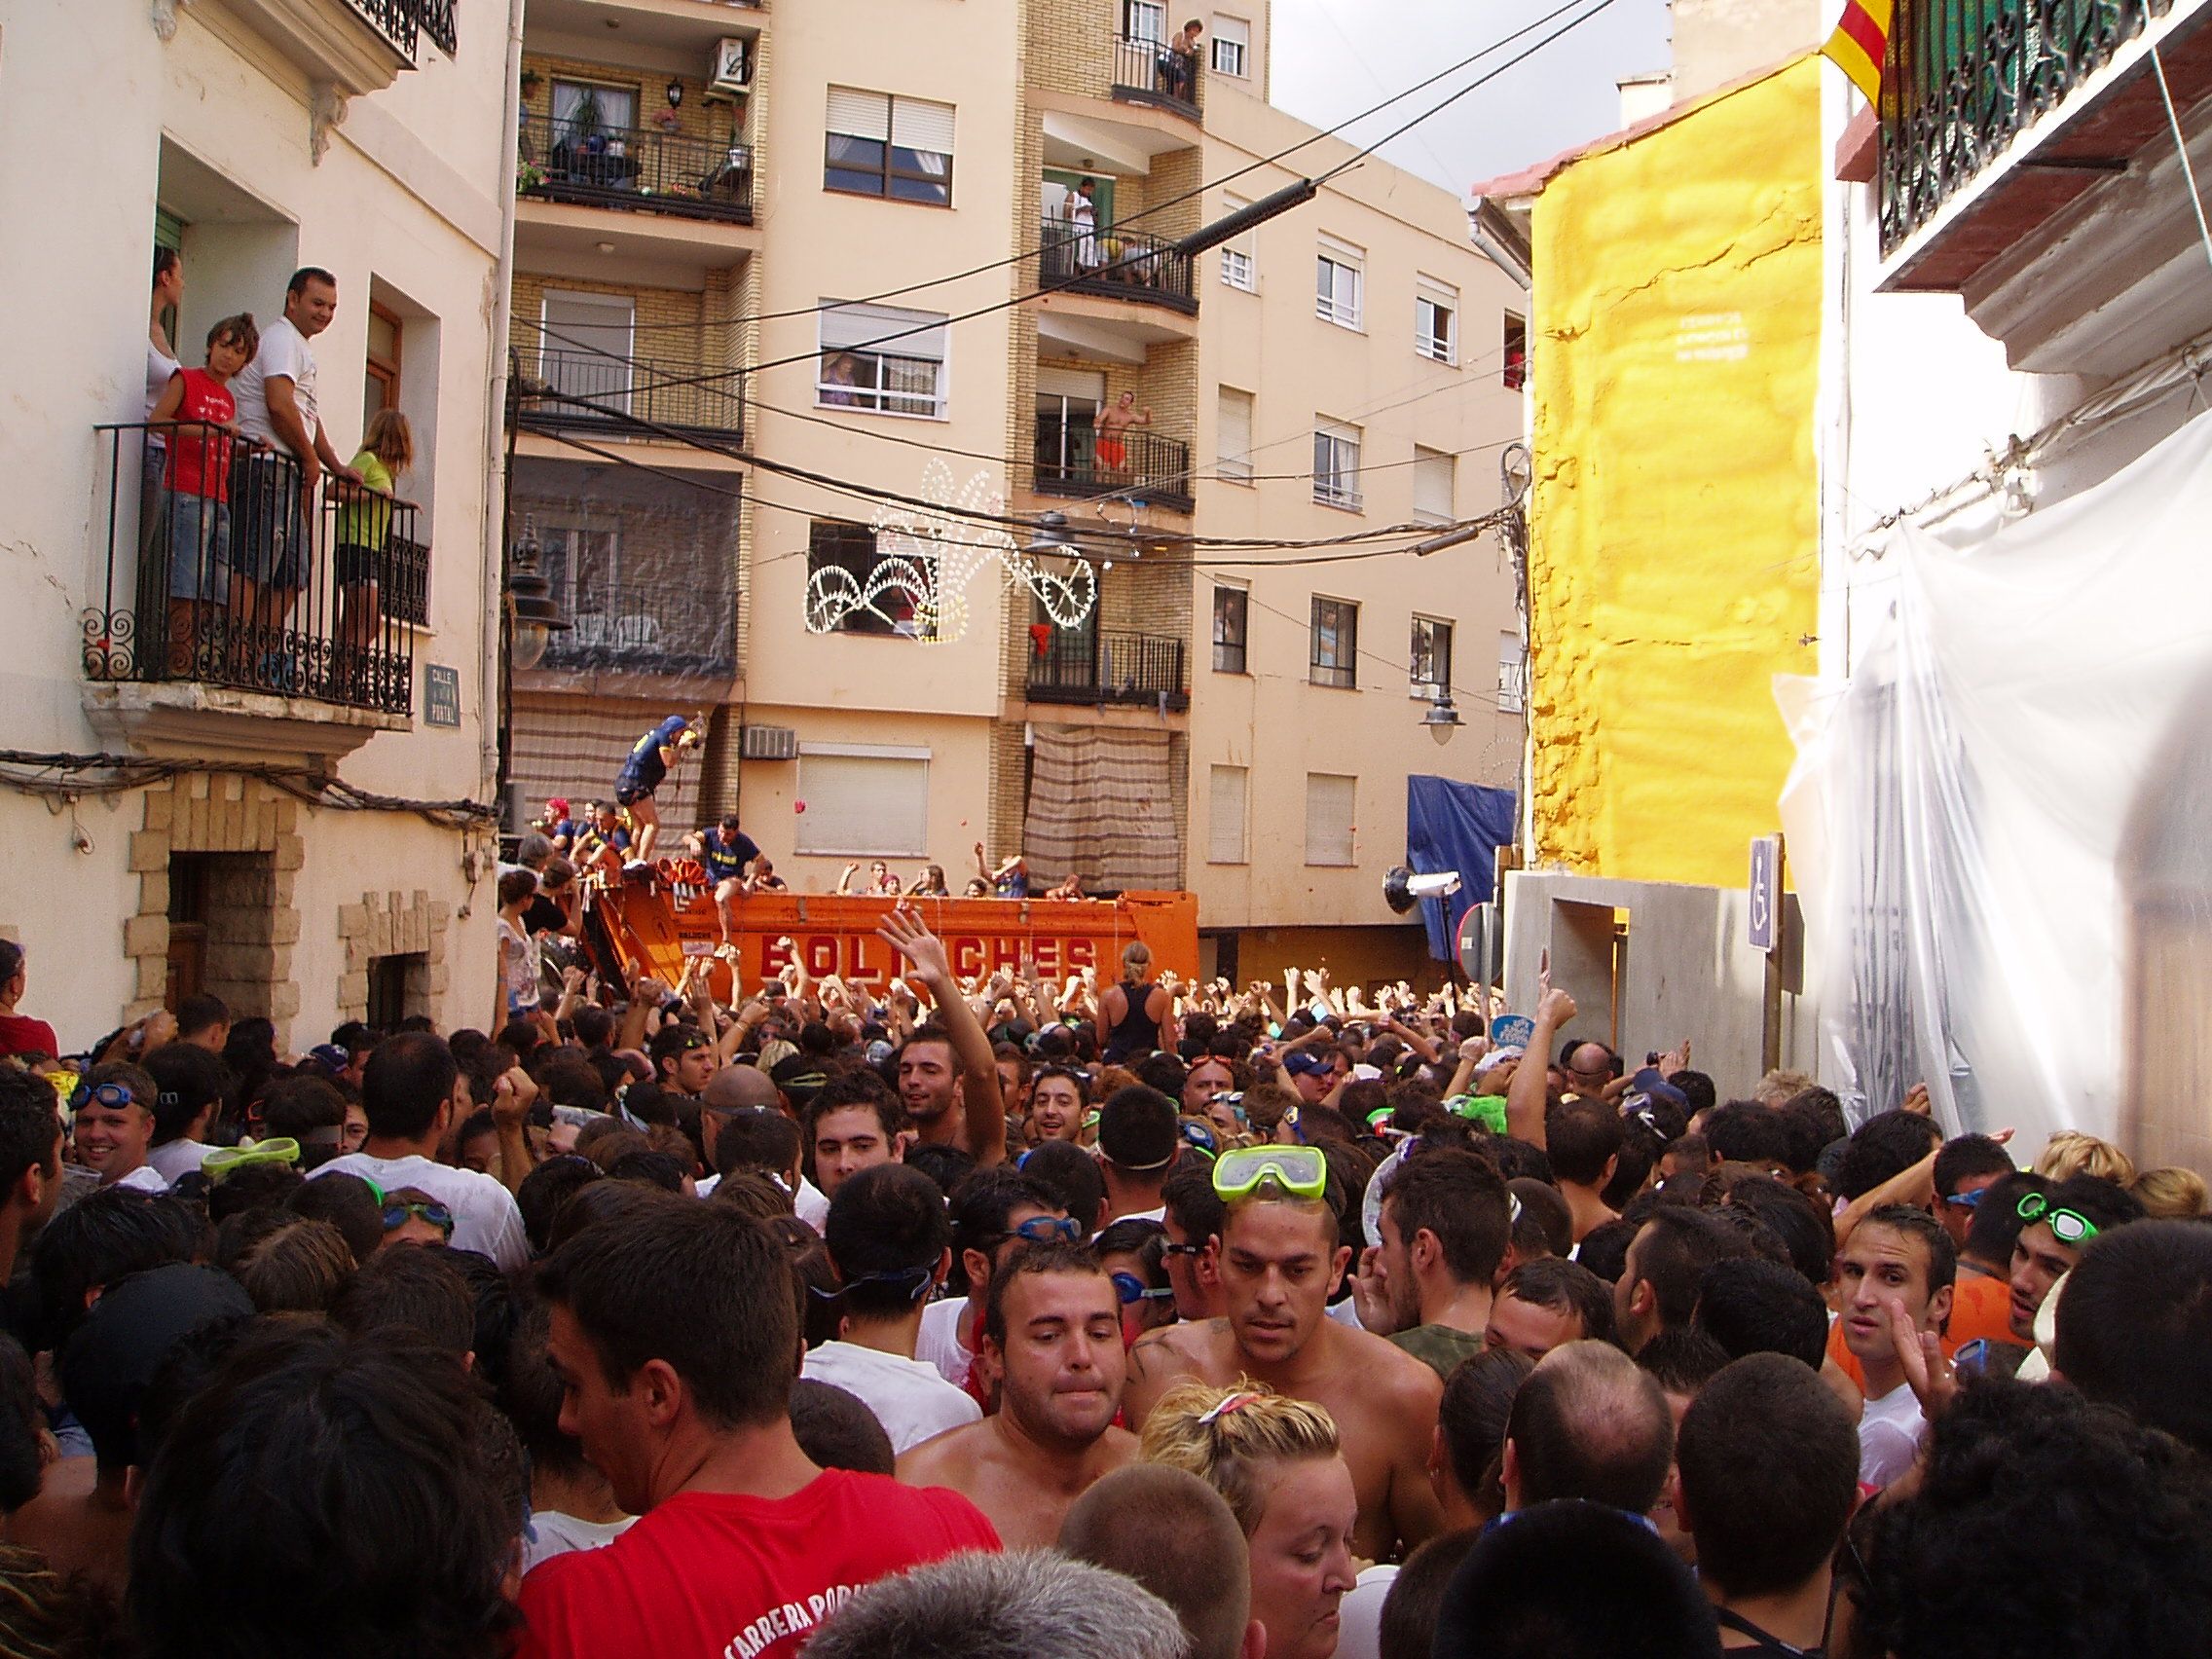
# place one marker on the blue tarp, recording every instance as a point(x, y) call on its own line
point(1455, 826)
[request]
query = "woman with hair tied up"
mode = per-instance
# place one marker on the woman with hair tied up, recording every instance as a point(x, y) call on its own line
point(1135, 1017)
point(1276, 1464)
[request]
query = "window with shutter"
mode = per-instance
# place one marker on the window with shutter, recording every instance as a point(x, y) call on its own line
point(1431, 661)
point(1232, 45)
point(1330, 799)
point(1232, 436)
point(1436, 320)
point(894, 147)
point(1225, 836)
point(1338, 271)
point(882, 358)
point(1433, 486)
point(1335, 466)
point(1239, 267)
point(864, 801)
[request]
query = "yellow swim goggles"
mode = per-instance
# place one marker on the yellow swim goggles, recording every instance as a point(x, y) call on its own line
point(1300, 1170)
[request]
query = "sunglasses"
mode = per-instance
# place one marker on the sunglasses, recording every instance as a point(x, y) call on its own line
point(1182, 1250)
point(1300, 1170)
point(1134, 1290)
point(2068, 1226)
point(397, 1212)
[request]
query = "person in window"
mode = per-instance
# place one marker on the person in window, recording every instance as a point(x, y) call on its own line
point(1083, 215)
point(837, 375)
point(930, 884)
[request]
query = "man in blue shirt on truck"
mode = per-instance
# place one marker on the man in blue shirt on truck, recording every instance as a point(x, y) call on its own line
point(656, 753)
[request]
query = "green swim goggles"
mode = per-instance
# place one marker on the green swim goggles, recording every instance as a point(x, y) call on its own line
point(1300, 1170)
point(2070, 1228)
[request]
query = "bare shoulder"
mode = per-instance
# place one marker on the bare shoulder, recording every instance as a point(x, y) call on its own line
point(1172, 1351)
point(937, 1461)
point(1389, 1370)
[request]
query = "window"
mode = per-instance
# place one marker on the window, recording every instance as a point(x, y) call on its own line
point(863, 801)
point(398, 986)
point(1433, 486)
point(1232, 436)
point(1239, 266)
point(1436, 322)
point(1336, 643)
point(1431, 658)
point(851, 548)
point(1232, 45)
point(883, 358)
point(880, 145)
point(1230, 614)
point(1145, 19)
point(587, 350)
point(1330, 798)
point(1516, 370)
point(1226, 838)
point(583, 111)
point(582, 562)
point(1336, 283)
point(1512, 672)
point(1335, 466)
point(381, 385)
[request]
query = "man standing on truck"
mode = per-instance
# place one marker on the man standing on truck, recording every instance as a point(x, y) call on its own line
point(655, 756)
point(729, 854)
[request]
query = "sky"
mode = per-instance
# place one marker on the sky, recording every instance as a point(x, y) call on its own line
point(1335, 58)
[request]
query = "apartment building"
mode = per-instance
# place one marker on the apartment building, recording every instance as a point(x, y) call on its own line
point(265, 797)
point(846, 211)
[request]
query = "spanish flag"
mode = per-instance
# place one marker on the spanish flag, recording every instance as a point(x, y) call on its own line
point(1859, 43)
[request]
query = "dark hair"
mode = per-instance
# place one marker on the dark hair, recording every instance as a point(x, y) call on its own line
point(2135, 1326)
point(545, 1190)
point(1746, 1131)
point(1416, 1596)
point(755, 1137)
point(1963, 1157)
point(1806, 1229)
point(1190, 1198)
point(836, 1430)
point(1458, 1198)
point(30, 1125)
point(1546, 1226)
point(857, 1087)
point(187, 1081)
point(1681, 1361)
point(1564, 1287)
point(1995, 1225)
point(21, 1418)
point(981, 1206)
point(1516, 1157)
point(1887, 1144)
point(201, 1012)
point(1575, 1580)
point(2038, 1511)
point(531, 1393)
point(1769, 1465)
point(1071, 1175)
point(1581, 1137)
point(1914, 1223)
point(1696, 1088)
point(407, 1079)
point(945, 1165)
point(1640, 1147)
point(307, 273)
point(349, 1204)
point(237, 1547)
point(295, 1107)
point(1673, 1249)
point(1603, 1249)
point(1057, 1257)
point(933, 1032)
point(256, 1185)
point(754, 1193)
point(403, 1288)
point(166, 260)
point(1478, 1399)
point(886, 1232)
point(1752, 1307)
point(492, 1304)
point(2106, 1203)
point(698, 1286)
point(295, 1268)
point(102, 1237)
point(1692, 1154)
point(652, 1169)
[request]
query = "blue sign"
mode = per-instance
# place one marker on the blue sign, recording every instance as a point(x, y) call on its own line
point(1512, 1030)
point(441, 695)
point(1766, 890)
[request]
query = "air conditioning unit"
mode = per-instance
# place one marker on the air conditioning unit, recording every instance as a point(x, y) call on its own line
point(733, 68)
point(768, 743)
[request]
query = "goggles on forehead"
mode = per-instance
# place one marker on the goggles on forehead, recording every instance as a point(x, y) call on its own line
point(2069, 1227)
point(1300, 1170)
point(115, 1097)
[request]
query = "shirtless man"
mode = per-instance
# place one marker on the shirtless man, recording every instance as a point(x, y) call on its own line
point(1280, 1262)
point(1113, 426)
point(1052, 1328)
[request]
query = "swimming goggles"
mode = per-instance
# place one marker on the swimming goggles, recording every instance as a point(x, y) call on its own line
point(230, 1160)
point(1300, 1170)
point(1133, 1290)
point(398, 1212)
point(2068, 1226)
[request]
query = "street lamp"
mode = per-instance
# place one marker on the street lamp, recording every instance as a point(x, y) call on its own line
point(534, 613)
point(674, 94)
point(1442, 719)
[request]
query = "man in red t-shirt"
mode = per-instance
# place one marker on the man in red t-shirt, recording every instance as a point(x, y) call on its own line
point(676, 1336)
point(19, 1033)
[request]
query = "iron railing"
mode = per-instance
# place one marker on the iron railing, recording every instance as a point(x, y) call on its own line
point(663, 627)
point(221, 570)
point(438, 24)
point(1153, 72)
point(586, 388)
point(1074, 460)
point(566, 160)
point(1964, 77)
point(1127, 265)
point(1109, 666)
point(400, 20)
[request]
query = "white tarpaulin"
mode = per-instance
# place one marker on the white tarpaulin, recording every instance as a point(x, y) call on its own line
point(2000, 824)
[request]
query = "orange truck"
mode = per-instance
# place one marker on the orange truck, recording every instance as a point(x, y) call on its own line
point(657, 924)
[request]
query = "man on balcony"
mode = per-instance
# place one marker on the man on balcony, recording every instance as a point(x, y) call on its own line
point(272, 548)
point(1113, 426)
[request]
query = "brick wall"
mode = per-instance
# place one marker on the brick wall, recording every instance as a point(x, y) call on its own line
point(394, 924)
point(711, 120)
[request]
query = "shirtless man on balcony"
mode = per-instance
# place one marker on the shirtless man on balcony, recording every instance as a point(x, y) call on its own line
point(1113, 424)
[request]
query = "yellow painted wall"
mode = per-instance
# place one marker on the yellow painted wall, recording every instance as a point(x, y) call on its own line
point(1673, 542)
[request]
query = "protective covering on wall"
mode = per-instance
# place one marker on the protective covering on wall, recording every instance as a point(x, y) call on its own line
point(1455, 826)
point(1101, 803)
point(2000, 824)
point(1672, 557)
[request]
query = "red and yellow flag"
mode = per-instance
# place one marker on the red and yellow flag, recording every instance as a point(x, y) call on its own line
point(1860, 39)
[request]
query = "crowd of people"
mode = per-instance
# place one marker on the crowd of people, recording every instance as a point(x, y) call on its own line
point(1190, 1323)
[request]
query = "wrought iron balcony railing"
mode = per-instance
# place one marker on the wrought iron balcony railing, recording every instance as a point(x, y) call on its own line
point(1126, 265)
point(401, 20)
point(644, 169)
point(586, 388)
point(1087, 665)
point(1965, 76)
point(1074, 460)
point(220, 569)
point(1155, 72)
point(657, 627)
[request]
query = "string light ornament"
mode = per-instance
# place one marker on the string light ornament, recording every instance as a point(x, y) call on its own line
point(927, 559)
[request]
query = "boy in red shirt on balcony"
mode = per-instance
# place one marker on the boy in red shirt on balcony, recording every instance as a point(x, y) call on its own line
point(196, 491)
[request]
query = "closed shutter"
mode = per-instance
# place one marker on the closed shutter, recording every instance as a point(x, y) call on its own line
point(864, 805)
point(1225, 815)
point(859, 115)
point(916, 124)
point(1078, 386)
point(1232, 435)
point(1433, 486)
point(846, 328)
point(1329, 798)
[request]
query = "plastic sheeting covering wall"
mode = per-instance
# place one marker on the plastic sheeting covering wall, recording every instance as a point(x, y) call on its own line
point(2001, 824)
point(1455, 826)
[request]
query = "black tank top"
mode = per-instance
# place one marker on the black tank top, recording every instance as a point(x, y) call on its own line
point(1765, 1640)
point(1136, 1032)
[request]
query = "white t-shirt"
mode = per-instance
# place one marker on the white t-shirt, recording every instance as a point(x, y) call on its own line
point(484, 1214)
point(552, 1534)
point(940, 1341)
point(284, 353)
point(1889, 1435)
point(1359, 1615)
point(808, 1204)
point(908, 1396)
point(144, 1179)
point(176, 1158)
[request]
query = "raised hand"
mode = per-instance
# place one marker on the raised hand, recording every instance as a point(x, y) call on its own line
point(905, 931)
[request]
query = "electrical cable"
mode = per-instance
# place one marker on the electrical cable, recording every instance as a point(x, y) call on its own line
point(21, 769)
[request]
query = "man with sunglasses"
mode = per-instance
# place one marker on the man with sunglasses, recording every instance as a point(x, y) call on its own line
point(1052, 1333)
point(1280, 1261)
point(2058, 1224)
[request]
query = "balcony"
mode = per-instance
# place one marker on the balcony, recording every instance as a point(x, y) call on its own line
point(1098, 666)
point(356, 46)
point(1154, 73)
point(585, 391)
point(638, 170)
point(1139, 465)
point(1120, 263)
point(215, 575)
point(663, 627)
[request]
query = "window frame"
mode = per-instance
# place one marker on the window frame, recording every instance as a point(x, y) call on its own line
point(1343, 623)
point(1513, 373)
point(1424, 456)
point(1243, 820)
point(1444, 632)
point(900, 754)
point(384, 372)
point(1512, 672)
point(1243, 646)
point(1235, 470)
point(1438, 300)
point(1240, 258)
point(1242, 48)
point(890, 174)
point(854, 395)
point(1335, 257)
point(818, 557)
point(1347, 497)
